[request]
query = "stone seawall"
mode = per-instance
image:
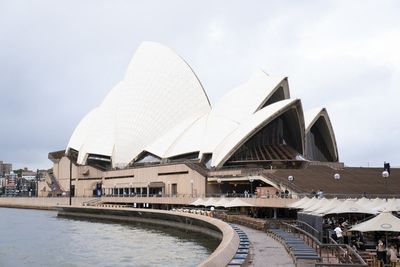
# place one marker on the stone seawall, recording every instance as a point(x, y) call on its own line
point(199, 223)
point(45, 203)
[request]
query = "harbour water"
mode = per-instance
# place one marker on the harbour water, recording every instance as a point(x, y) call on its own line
point(39, 238)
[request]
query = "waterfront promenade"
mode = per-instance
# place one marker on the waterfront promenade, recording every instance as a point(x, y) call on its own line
point(266, 251)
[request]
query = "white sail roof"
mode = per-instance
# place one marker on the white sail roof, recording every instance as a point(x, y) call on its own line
point(312, 116)
point(160, 107)
point(205, 133)
point(158, 92)
point(249, 128)
point(238, 105)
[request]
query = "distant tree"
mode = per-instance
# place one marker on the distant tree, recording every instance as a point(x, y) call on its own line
point(19, 172)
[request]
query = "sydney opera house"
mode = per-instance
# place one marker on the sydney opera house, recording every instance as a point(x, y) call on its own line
point(156, 133)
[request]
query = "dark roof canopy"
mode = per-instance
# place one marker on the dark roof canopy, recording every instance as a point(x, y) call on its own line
point(352, 180)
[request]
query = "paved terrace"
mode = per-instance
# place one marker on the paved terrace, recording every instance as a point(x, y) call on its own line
point(266, 251)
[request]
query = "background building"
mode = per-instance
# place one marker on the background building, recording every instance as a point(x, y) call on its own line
point(5, 168)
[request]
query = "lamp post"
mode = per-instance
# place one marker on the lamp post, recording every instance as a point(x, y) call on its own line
point(37, 183)
point(70, 181)
point(191, 186)
point(219, 184)
point(251, 180)
point(385, 175)
point(290, 179)
point(168, 188)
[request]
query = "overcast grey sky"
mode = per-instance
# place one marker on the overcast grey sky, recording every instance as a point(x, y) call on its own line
point(58, 60)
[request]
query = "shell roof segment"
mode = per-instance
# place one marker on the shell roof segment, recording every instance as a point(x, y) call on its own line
point(250, 127)
point(311, 117)
point(158, 92)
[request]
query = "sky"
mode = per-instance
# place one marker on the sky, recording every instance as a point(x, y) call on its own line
point(59, 59)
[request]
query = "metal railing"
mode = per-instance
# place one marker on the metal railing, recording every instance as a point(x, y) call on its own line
point(309, 229)
point(332, 254)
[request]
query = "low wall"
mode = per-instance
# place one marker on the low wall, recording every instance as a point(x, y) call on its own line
point(207, 225)
point(40, 202)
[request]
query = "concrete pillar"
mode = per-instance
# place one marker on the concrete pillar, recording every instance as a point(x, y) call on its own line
point(275, 213)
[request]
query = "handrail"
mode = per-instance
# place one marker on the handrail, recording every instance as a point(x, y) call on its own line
point(317, 234)
point(310, 240)
point(281, 181)
point(346, 255)
point(91, 202)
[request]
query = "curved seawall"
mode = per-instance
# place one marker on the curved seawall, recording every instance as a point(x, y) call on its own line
point(199, 223)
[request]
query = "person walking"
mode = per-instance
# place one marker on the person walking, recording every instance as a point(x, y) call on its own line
point(392, 255)
point(339, 234)
point(381, 251)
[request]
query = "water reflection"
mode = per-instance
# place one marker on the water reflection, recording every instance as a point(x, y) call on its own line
point(40, 238)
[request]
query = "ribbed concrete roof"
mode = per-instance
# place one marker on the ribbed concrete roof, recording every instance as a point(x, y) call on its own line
point(352, 180)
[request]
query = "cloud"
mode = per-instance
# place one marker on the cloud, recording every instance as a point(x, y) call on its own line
point(58, 60)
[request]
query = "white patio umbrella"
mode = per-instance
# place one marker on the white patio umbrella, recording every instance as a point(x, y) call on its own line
point(237, 202)
point(321, 203)
point(392, 204)
point(210, 202)
point(309, 203)
point(333, 203)
point(384, 221)
point(198, 202)
point(298, 203)
point(350, 206)
point(376, 202)
point(363, 201)
point(222, 202)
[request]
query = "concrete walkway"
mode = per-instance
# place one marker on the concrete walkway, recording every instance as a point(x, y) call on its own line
point(266, 251)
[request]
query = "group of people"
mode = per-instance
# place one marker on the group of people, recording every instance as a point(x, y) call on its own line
point(356, 241)
point(383, 254)
point(340, 234)
point(318, 194)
